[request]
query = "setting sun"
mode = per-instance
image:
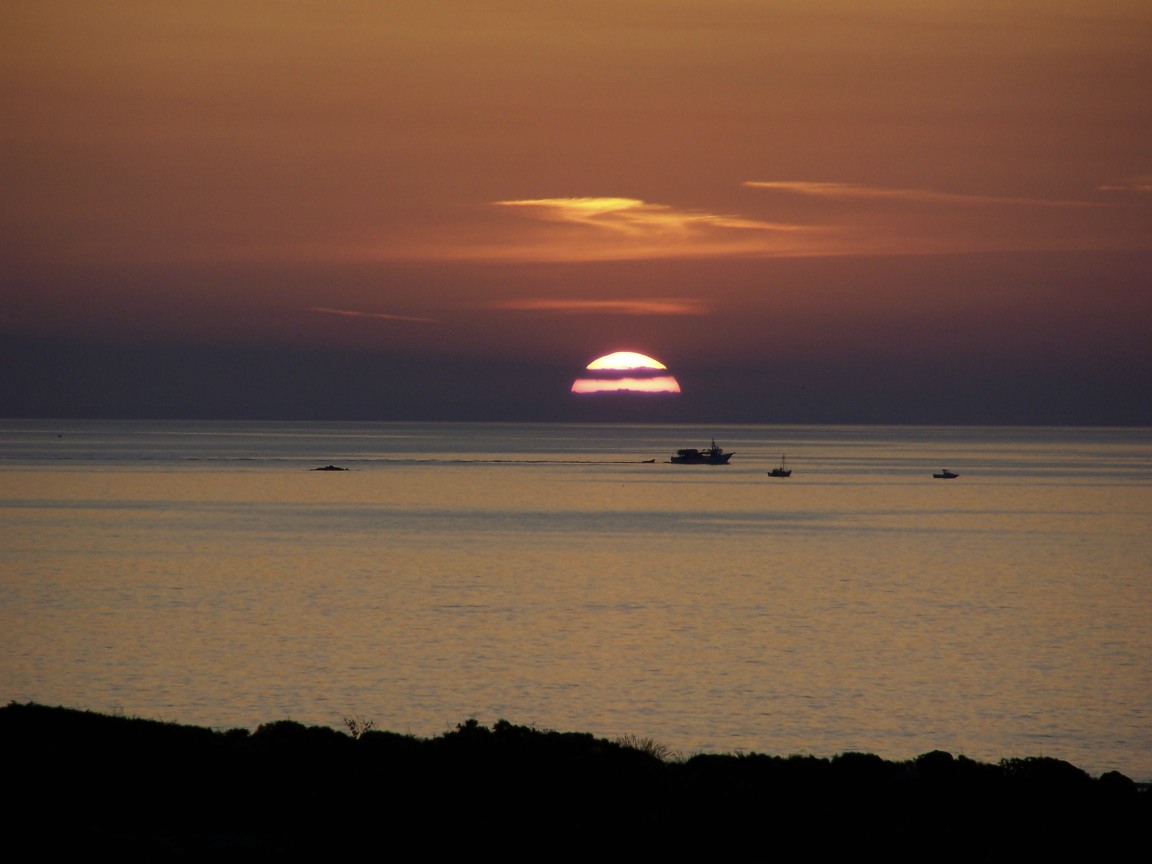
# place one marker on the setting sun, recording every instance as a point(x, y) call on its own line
point(626, 372)
point(625, 360)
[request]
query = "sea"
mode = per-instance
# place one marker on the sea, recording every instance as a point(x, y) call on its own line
point(571, 578)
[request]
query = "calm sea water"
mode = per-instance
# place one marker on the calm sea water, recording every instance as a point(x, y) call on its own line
point(553, 576)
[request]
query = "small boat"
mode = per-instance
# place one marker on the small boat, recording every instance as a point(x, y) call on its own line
point(945, 474)
point(712, 455)
point(781, 471)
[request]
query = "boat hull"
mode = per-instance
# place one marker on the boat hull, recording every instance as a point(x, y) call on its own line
point(701, 460)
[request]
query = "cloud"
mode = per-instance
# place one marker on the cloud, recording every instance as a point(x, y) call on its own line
point(1141, 184)
point(617, 228)
point(856, 191)
point(635, 217)
point(639, 306)
point(383, 316)
point(793, 218)
point(880, 220)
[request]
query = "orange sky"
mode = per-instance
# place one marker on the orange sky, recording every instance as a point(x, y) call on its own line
point(749, 186)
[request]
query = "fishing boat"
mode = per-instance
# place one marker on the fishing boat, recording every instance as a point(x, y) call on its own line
point(781, 471)
point(712, 455)
point(945, 474)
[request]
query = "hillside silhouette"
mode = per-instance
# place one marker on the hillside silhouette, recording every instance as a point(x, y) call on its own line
point(86, 782)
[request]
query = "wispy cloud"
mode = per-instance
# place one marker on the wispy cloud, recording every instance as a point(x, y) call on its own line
point(857, 191)
point(609, 228)
point(383, 316)
point(633, 216)
point(776, 218)
point(642, 306)
point(1141, 184)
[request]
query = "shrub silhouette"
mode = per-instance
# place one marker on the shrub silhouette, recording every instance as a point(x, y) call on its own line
point(126, 785)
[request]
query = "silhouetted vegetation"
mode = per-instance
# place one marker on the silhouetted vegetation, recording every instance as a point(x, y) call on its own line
point(87, 782)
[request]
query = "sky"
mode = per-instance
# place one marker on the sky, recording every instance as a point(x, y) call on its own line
point(810, 211)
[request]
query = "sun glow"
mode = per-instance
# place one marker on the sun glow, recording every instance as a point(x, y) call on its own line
point(659, 384)
point(622, 360)
point(626, 372)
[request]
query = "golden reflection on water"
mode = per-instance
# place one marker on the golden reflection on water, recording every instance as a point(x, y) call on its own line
point(711, 609)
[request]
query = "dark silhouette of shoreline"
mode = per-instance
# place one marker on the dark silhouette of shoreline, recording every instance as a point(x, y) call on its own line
point(88, 782)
